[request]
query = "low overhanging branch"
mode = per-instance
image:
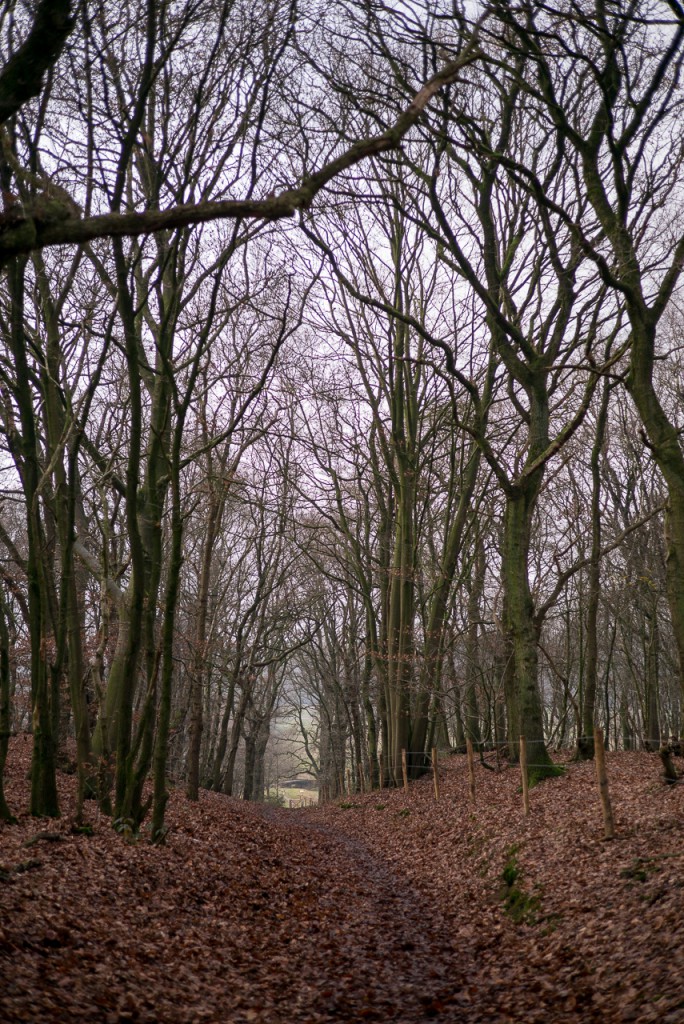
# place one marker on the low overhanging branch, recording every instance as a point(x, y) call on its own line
point(58, 222)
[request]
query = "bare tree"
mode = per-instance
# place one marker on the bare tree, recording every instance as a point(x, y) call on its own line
point(57, 218)
point(607, 83)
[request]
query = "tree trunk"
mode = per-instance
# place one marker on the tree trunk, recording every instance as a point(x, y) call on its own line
point(431, 669)
point(260, 744)
point(197, 672)
point(664, 443)
point(222, 739)
point(523, 701)
point(5, 707)
point(585, 742)
point(161, 794)
point(44, 801)
point(371, 725)
point(651, 717)
point(250, 755)
point(235, 733)
point(472, 651)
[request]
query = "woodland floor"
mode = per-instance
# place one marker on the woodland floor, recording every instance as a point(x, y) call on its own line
point(390, 909)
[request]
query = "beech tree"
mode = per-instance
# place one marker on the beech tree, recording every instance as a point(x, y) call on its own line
point(607, 82)
point(403, 477)
point(5, 714)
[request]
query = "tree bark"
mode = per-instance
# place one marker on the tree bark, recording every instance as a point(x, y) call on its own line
point(585, 742)
point(523, 701)
point(44, 800)
point(5, 706)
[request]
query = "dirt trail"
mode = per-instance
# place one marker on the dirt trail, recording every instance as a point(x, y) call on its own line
point(392, 955)
point(246, 915)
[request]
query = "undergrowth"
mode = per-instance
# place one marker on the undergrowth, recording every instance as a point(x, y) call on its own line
point(521, 906)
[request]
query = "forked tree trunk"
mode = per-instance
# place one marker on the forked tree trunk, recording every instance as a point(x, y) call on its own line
point(222, 738)
point(235, 734)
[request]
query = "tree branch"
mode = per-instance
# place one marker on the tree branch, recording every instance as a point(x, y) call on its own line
point(22, 76)
point(60, 224)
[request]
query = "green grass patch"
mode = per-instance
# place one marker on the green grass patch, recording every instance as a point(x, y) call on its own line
point(521, 906)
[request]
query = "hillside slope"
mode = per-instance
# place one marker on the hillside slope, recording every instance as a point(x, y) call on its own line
point(392, 909)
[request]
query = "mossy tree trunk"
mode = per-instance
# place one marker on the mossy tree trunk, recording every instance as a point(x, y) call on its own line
point(523, 699)
point(161, 750)
point(664, 442)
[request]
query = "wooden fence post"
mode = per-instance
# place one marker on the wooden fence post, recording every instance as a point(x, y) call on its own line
point(602, 779)
point(435, 776)
point(523, 772)
point(404, 770)
point(471, 769)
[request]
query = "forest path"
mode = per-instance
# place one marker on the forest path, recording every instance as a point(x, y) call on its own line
point(247, 915)
point(583, 932)
point(391, 953)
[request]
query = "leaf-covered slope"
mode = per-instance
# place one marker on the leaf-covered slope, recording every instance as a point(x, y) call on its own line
point(599, 933)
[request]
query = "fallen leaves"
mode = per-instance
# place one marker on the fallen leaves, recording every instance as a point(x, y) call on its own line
point(250, 914)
